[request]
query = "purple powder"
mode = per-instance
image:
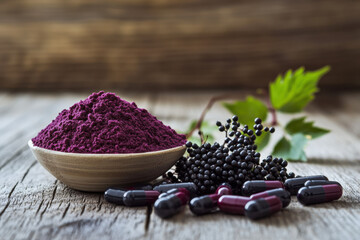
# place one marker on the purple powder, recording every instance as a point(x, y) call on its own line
point(104, 123)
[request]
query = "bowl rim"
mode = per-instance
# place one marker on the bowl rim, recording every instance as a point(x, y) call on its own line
point(101, 155)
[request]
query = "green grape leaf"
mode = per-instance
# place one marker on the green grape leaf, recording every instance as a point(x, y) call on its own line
point(248, 110)
point(298, 125)
point(293, 91)
point(262, 141)
point(282, 148)
point(292, 150)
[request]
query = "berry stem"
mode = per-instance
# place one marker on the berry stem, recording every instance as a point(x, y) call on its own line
point(207, 108)
point(274, 116)
point(272, 110)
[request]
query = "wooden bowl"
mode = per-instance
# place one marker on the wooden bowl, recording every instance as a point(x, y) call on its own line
point(98, 172)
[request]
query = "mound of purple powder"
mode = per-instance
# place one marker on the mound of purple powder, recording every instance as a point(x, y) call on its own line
point(104, 123)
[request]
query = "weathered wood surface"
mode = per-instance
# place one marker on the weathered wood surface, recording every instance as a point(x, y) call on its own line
point(34, 205)
point(52, 45)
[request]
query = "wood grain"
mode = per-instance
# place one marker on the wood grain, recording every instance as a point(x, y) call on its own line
point(34, 205)
point(82, 45)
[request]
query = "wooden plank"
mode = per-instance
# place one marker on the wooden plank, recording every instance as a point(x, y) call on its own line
point(37, 206)
point(179, 45)
point(343, 108)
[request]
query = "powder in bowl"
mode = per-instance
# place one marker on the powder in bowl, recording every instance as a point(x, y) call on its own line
point(105, 123)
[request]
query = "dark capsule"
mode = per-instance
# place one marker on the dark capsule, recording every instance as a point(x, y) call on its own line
point(233, 204)
point(208, 203)
point(170, 205)
point(284, 195)
point(319, 194)
point(173, 191)
point(140, 197)
point(202, 205)
point(262, 207)
point(319, 183)
point(256, 186)
point(115, 195)
point(294, 184)
point(190, 186)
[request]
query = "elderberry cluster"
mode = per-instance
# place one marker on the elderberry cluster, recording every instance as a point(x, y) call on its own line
point(235, 161)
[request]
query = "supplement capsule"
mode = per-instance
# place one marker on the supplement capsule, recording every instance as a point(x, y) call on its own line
point(233, 204)
point(140, 197)
point(262, 207)
point(294, 184)
point(174, 190)
point(255, 186)
point(319, 183)
point(190, 186)
point(115, 195)
point(282, 194)
point(170, 205)
point(208, 203)
point(319, 194)
point(224, 189)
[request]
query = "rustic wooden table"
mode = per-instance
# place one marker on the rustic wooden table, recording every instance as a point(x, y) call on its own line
point(34, 205)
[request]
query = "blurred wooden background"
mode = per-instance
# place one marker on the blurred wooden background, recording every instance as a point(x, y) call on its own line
point(178, 44)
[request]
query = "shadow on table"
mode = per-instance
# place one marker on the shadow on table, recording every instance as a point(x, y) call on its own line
point(284, 217)
point(339, 204)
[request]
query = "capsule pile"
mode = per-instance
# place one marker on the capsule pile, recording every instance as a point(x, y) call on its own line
point(261, 198)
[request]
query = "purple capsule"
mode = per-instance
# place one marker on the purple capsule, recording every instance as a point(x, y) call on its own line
point(115, 195)
point(140, 197)
point(208, 203)
point(190, 186)
point(294, 184)
point(170, 205)
point(284, 195)
point(262, 207)
point(319, 194)
point(256, 186)
point(319, 183)
point(173, 191)
point(233, 204)
point(224, 189)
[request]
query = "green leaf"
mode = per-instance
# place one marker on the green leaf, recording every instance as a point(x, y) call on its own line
point(298, 125)
point(262, 141)
point(248, 110)
point(293, 91)
point(292, 150)
point(282, 148)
